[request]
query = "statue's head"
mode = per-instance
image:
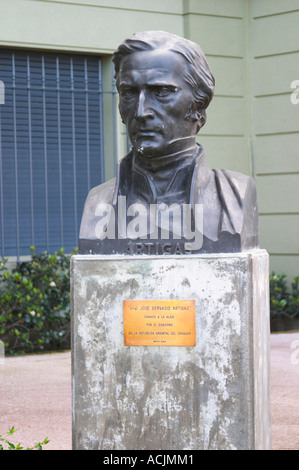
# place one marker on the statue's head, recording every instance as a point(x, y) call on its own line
point(165, 86)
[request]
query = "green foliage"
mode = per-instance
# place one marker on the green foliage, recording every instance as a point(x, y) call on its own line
point(6, 444)
point(283, 304)
point(35, 304)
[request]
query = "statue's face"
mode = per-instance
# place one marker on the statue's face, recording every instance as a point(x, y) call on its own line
point(155, 100)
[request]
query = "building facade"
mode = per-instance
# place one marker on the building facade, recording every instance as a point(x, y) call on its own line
point(60, 129)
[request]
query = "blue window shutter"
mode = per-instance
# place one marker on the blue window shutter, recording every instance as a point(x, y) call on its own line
point(51, 150)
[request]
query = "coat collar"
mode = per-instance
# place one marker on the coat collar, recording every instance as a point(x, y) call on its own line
point(137, 184)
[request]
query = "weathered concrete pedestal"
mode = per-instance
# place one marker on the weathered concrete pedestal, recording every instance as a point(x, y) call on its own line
point(214, 395)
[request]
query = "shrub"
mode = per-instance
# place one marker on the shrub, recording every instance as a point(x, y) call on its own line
point(35, 304)
point(6, 444)
point(283, 304)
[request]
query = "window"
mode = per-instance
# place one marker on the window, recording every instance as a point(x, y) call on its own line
point(51, 147)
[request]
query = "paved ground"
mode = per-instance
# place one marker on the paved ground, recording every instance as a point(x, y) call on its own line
point(285, 391)
point(35, 396)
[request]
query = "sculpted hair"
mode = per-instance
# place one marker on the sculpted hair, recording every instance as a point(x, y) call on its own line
point(198, 74)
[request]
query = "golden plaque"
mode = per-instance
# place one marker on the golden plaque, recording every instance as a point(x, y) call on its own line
point(159, 323)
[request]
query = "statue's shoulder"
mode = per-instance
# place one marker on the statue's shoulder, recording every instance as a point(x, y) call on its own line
point(238, 196)
point(101, 194)
point(243, 186)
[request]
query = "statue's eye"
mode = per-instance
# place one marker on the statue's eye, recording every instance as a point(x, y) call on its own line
point(164, 91)
point(128, 93)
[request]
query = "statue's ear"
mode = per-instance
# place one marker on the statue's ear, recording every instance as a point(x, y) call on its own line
point(197, 114)
point(201, 118)
point(193, 113)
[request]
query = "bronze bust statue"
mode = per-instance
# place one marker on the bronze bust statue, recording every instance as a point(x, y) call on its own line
point(165, 198)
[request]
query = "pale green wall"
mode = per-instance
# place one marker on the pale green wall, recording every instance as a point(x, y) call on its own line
point(252, 48)
point(220, 27)
point(274, 29)
point(95, 26)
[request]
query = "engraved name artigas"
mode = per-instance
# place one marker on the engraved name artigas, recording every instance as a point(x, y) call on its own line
point(145, 226)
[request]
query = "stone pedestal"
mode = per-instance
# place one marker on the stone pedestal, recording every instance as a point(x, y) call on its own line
point(214, 395)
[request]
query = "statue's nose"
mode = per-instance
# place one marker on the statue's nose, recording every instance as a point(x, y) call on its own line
point(143, 108)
